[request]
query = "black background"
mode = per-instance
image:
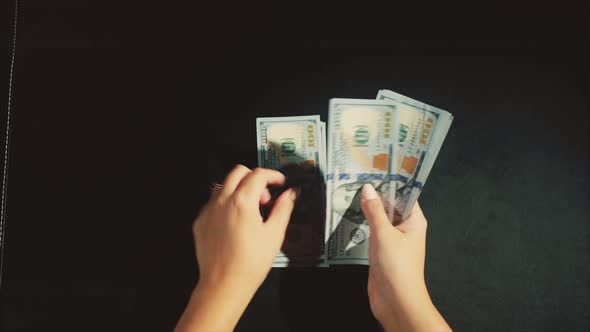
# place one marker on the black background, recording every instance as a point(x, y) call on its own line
point(123, 114)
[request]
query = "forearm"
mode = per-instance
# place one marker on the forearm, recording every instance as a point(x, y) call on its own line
point(214, 307)
point(413, 310)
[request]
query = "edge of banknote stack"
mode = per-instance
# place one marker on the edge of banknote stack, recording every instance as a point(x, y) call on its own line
point(390, 142)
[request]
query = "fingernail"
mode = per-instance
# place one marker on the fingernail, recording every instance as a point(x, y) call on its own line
point(294, 193)
point(368, 193)
point(265, 196)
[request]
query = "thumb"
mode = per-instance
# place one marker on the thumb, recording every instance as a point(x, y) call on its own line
point(281, 211)
point(373, 209)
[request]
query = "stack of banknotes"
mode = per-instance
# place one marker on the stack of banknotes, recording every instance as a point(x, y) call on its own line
point(390, 142)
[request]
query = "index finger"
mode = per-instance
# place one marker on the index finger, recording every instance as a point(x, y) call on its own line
point(415, 222)
point(254, 184)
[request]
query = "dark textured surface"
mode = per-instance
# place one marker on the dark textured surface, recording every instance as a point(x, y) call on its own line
point(124, 114)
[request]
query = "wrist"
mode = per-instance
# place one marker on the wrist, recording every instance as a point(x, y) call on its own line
point(413, 310)
point(231, 294)
point(228, 285)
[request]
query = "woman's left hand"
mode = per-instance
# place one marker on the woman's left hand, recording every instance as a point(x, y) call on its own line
point(232, 239)
point(235, 247)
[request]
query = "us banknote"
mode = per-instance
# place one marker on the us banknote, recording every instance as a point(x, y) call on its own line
point(391, 142)
point(298, 140)
point(422, 130)
point(362, 136)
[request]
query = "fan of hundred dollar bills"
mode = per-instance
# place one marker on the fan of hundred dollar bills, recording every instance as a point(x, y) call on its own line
point(390, 142)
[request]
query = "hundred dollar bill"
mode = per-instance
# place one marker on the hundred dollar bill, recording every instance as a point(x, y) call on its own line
point(362, 135)
point(324, 163)
point(322, 140)
point(296, 140)
point(422, 130)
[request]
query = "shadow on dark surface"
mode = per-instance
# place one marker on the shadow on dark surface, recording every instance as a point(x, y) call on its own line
point(325, 299)
point(313, 298)
point(304, 238)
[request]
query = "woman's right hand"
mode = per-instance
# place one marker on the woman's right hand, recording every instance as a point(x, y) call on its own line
point(397, 290)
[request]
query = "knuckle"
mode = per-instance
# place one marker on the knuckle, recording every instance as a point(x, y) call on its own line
point(375, 203)
point(215, 205)
point(372, 207)
point(239, 201)
point(421, 227)
point(239, 167)
point(258, 171)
